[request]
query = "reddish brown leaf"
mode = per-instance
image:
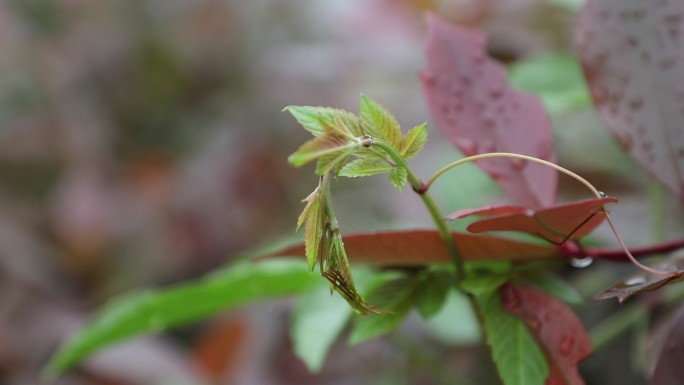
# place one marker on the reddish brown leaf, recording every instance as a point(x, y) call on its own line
point(633, 59)
point(420, 247)
point(643, 281)
point(487, 210)
point(555, 327)
point(669, 369)
point(477, 111)
point(555, 224)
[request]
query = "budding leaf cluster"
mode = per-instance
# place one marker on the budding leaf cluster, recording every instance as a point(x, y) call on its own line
point(343, 146)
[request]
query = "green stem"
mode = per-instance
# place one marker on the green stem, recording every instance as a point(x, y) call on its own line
point(429, 203)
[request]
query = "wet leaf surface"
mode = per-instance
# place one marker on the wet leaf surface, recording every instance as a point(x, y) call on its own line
point(555, 224)
point(478, 112)
point(555, 327)
point(641, 282)
point(633, 59)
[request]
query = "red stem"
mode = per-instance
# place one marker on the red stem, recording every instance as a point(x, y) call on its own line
point(575, 250)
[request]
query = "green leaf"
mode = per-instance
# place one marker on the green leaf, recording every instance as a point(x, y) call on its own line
point(317, 322)
point(432, 293)
point(557, 79)
point(456, 307)
point(150, 311)
point(333, 160)
point(379, 123)
point(552, 285)
point(395, 298)
point(518, 358)
point(480, 285)
point(314, 226)
point(315, 119)
point(365, 167)
point(398, 177)
point(414, 141)
point(332, 143)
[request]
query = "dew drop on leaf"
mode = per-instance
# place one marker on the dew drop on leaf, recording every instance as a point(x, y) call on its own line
point(581, 262)
point(633, 281)
point(566, 345)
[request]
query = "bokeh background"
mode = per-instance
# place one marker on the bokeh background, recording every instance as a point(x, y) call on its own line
point(142, 143)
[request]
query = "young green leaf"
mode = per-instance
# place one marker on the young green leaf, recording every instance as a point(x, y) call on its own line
point(518, 357)
point(315, 119)
point(413, 142)
point(365, 167)
point(149, 311)
point(331, 143)
point(314, 226)
point(432, 293)
point(332, 161)
point(397, 297)
point(317, 322)
point(398, 176)
point(379, 123)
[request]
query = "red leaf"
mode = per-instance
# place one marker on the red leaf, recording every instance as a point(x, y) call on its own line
point(478, 112)
point(669, 369)
point(420, 247)
point(555, 327)
point(641, 282)
point(555, 224)
point(633, 59)
point(487, 210)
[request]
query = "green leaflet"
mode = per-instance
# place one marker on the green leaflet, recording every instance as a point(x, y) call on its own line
point(432, 293)
point(150, 311)
point(379, 123)
point(413, 142)
point(332, 143)
point(314, 226)
point(365, 167)
point(398, 177)
point(316, 323)
point(518, 357)
point(315, 119)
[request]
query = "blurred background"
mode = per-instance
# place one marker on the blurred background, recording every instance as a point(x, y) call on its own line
point(142, 143)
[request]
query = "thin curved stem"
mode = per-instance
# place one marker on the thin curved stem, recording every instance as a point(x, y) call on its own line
point(473, 158)
point(437, 216)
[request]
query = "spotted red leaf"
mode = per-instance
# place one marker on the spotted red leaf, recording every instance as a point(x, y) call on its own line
point(420, 247)
point(643, 281)
point(555, 224)
point(669, 369)
point(633, 58)
point(477, 111)
point(555, 327)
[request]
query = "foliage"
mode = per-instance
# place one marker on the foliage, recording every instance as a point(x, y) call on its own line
point(533, 336)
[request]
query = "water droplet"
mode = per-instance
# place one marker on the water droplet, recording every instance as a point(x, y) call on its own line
point(602, 194)
point(581, 262)
point(634, 281)
point(467, 146)
point(566, 345)
point(535, 325)
point(509, 298)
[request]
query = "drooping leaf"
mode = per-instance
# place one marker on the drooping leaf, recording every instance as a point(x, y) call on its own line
point(555, 327)
point(478, 112)
point(421, 247)
point(668, 370)
point(633, 61)
point(314, 226)
point(365, 167)
point(555, 224)
point(398, 176)
point(316, 323)
point(414, 141)
point(151, 311)
point(518, 357)
point(315, 119)
point(643, 281)
point(379, 123)
point(396, 298)
point(549, 284)
point(556, 79)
